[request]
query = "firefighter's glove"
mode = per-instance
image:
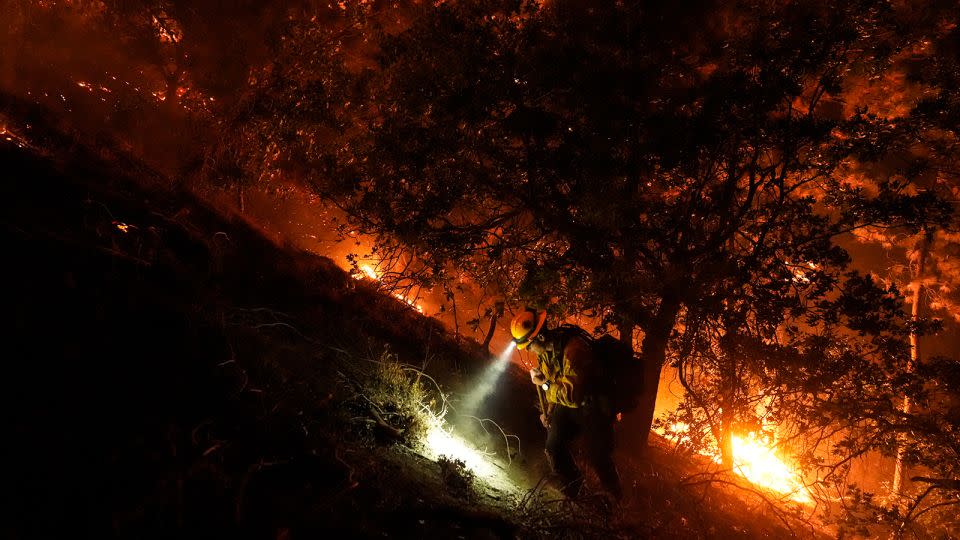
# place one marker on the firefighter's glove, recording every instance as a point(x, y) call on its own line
point(537, 377)
point(545, 420)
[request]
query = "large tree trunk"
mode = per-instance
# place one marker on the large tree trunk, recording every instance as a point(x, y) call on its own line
point(923, 245)
point(726, 437)
point(653, 355)
point(625, 331)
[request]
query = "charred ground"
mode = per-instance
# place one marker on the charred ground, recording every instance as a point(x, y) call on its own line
point(170, 372)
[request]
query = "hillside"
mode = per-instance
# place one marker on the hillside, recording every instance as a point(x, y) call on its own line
point(172, 373)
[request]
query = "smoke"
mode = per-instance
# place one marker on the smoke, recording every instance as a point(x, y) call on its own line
point(487, 382)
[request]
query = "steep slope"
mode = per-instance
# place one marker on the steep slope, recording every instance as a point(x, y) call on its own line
point(169, 372)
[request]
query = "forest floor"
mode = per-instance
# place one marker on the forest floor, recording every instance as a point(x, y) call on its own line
point(170, 372)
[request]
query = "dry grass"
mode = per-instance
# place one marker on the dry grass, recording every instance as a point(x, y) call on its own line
point(388, 399)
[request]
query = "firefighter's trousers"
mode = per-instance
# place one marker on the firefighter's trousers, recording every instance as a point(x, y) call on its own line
point(596, 427)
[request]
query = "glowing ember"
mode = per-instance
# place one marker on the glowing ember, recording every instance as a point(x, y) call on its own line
point(168, 30)
point(10, 136)
point(409, 302)
point(122, 227)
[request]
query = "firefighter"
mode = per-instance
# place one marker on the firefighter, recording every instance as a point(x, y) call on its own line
point(577, 403)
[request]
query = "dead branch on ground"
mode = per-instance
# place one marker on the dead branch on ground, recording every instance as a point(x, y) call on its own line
point(506, 438)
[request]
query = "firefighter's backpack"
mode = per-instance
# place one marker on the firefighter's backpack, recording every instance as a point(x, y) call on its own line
point(622, 371)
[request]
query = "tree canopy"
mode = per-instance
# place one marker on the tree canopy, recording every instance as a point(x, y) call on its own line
point(698, 177)
point(589, 160)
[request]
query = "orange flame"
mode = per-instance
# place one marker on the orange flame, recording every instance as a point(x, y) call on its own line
point(366, 271)
point(756, 460)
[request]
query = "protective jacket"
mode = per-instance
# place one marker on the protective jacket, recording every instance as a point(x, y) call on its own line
point(571, 368)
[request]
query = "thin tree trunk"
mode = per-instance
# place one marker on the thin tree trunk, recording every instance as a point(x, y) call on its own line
point(917, 276)
point(494, 317)
point(456, 318)
point(240, 202)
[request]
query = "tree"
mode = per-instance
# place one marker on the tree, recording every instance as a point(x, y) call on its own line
point(917, 96)
point(596, 162)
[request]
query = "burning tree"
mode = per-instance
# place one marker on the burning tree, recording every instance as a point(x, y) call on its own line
point(685, 182)
point(596, 163)
point(690, 177)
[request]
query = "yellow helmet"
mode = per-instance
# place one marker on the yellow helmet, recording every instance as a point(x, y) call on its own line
point(526, 325)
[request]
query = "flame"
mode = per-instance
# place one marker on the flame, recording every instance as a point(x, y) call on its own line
point(168, 30)
point(755, 459)
point(366, 271)
point(759, 463)
point(409, 302)
point(9, 136)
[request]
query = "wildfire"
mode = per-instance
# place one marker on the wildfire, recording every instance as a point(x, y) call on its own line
point(168, 29)
point(755, 459)
point(759, 463)
point(409, 302)
point(9, 136)
point(366, 271)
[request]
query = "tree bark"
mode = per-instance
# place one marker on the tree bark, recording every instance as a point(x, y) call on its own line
point(625, 331)
point(653, 355)
point(241, 204)
point(494, 317)
point(456, 318)
point(726, 437)
point(922, 248)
